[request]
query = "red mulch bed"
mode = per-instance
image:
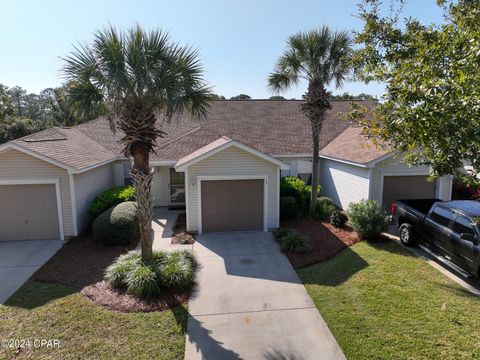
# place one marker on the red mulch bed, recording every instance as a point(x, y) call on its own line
point(80, 262)
point(101, 293)
point(325, 241)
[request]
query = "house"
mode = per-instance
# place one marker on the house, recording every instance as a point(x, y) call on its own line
point(224, 169)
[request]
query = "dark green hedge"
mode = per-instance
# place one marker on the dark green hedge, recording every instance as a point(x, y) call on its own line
point(118, 225)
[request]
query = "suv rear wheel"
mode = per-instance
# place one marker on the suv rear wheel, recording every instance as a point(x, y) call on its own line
point(407, 237)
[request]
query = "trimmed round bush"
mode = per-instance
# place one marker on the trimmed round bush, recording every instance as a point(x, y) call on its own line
point(110, 198)
point(168, 270)
point(338, 219)
point(118, 225)
point(368, 219)
point(324, 199)
point(288, 207)
point(290, 240)
point(323, 211)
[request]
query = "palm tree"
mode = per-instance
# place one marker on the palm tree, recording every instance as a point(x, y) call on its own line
point(135, 77)
point(319, 57)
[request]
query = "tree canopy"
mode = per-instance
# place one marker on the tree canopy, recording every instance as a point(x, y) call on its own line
point(241, 97)
point(431, 109)
point(23, 113)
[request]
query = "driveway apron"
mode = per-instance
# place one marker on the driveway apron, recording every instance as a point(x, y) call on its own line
point(250, 304)
point(20, 259)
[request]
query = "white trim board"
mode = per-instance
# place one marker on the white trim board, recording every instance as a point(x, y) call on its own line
point(199, 180)
point(41, 181)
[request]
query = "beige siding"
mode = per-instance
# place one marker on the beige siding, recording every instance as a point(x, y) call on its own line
point(89, 185)
point(16, 165)
point(343, 183)
point(396, 166)
point(298, 165)
point(232, 161)
point(118, 170)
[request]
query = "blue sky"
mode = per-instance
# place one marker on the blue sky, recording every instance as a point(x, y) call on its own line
point(239, 41)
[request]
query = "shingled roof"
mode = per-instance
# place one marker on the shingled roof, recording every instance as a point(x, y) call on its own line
point(351, 145)
point(274, 127)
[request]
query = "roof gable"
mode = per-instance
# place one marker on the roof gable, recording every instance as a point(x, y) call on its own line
point(219, 145)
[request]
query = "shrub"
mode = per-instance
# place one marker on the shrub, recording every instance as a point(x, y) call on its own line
point(110, 198)
point(295, 187)
point(290, 240)
point(167, 270)
point(324, 199)
point(465, 188)
point(323, 211)
point(142, 281)
point(288, 207)
point(118, 225)
point(368, 219)
point(116, 274)
point(178, 271)
point(338, 218)
point(183, 238)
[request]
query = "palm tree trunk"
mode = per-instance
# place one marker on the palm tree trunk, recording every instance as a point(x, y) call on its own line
point(142, 177)
point(315, 106)
point(315, 164)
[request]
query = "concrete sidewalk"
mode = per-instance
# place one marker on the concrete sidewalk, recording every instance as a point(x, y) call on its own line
point(250, 304)
point(20, 259)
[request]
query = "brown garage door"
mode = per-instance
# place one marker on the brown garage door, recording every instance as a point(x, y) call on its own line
point(406, 187)
point(28, 212)
point(232, 205)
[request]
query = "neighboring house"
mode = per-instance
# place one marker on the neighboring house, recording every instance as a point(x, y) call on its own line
point(224, 169)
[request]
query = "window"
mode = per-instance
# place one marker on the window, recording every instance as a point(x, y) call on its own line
point(441, 215)
point(463, 225)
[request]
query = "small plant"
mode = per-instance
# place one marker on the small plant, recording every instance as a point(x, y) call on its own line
point(178, 271)
point(323, 211)
point(290, 240)
point(288, 207)
point(168, 270)
point(110, 198)
point(142, 281)
point(338, 219)
point(116, 274)
point(324, 199)
point(118, 225)
point(368, 219)
point(183, 238)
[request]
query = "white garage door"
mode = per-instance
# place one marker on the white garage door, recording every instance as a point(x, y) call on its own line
point(406, 187)
point(28, 212)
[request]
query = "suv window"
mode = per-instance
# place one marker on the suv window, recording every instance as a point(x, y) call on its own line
point(441, 215)
point(463, 225)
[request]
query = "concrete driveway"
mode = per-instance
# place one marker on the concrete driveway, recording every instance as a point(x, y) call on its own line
point(20, 259)
point(250, 304)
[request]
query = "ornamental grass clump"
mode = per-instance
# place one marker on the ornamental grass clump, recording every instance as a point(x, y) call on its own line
point(167, 270)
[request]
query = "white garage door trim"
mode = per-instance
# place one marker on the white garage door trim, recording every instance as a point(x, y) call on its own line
point(400, 173)
point(54, 181)
point(233, 177)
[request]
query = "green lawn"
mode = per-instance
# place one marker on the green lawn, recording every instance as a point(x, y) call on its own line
point(85, 330)
point(380, 302)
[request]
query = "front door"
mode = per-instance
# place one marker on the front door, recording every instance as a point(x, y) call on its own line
point(177, 187)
